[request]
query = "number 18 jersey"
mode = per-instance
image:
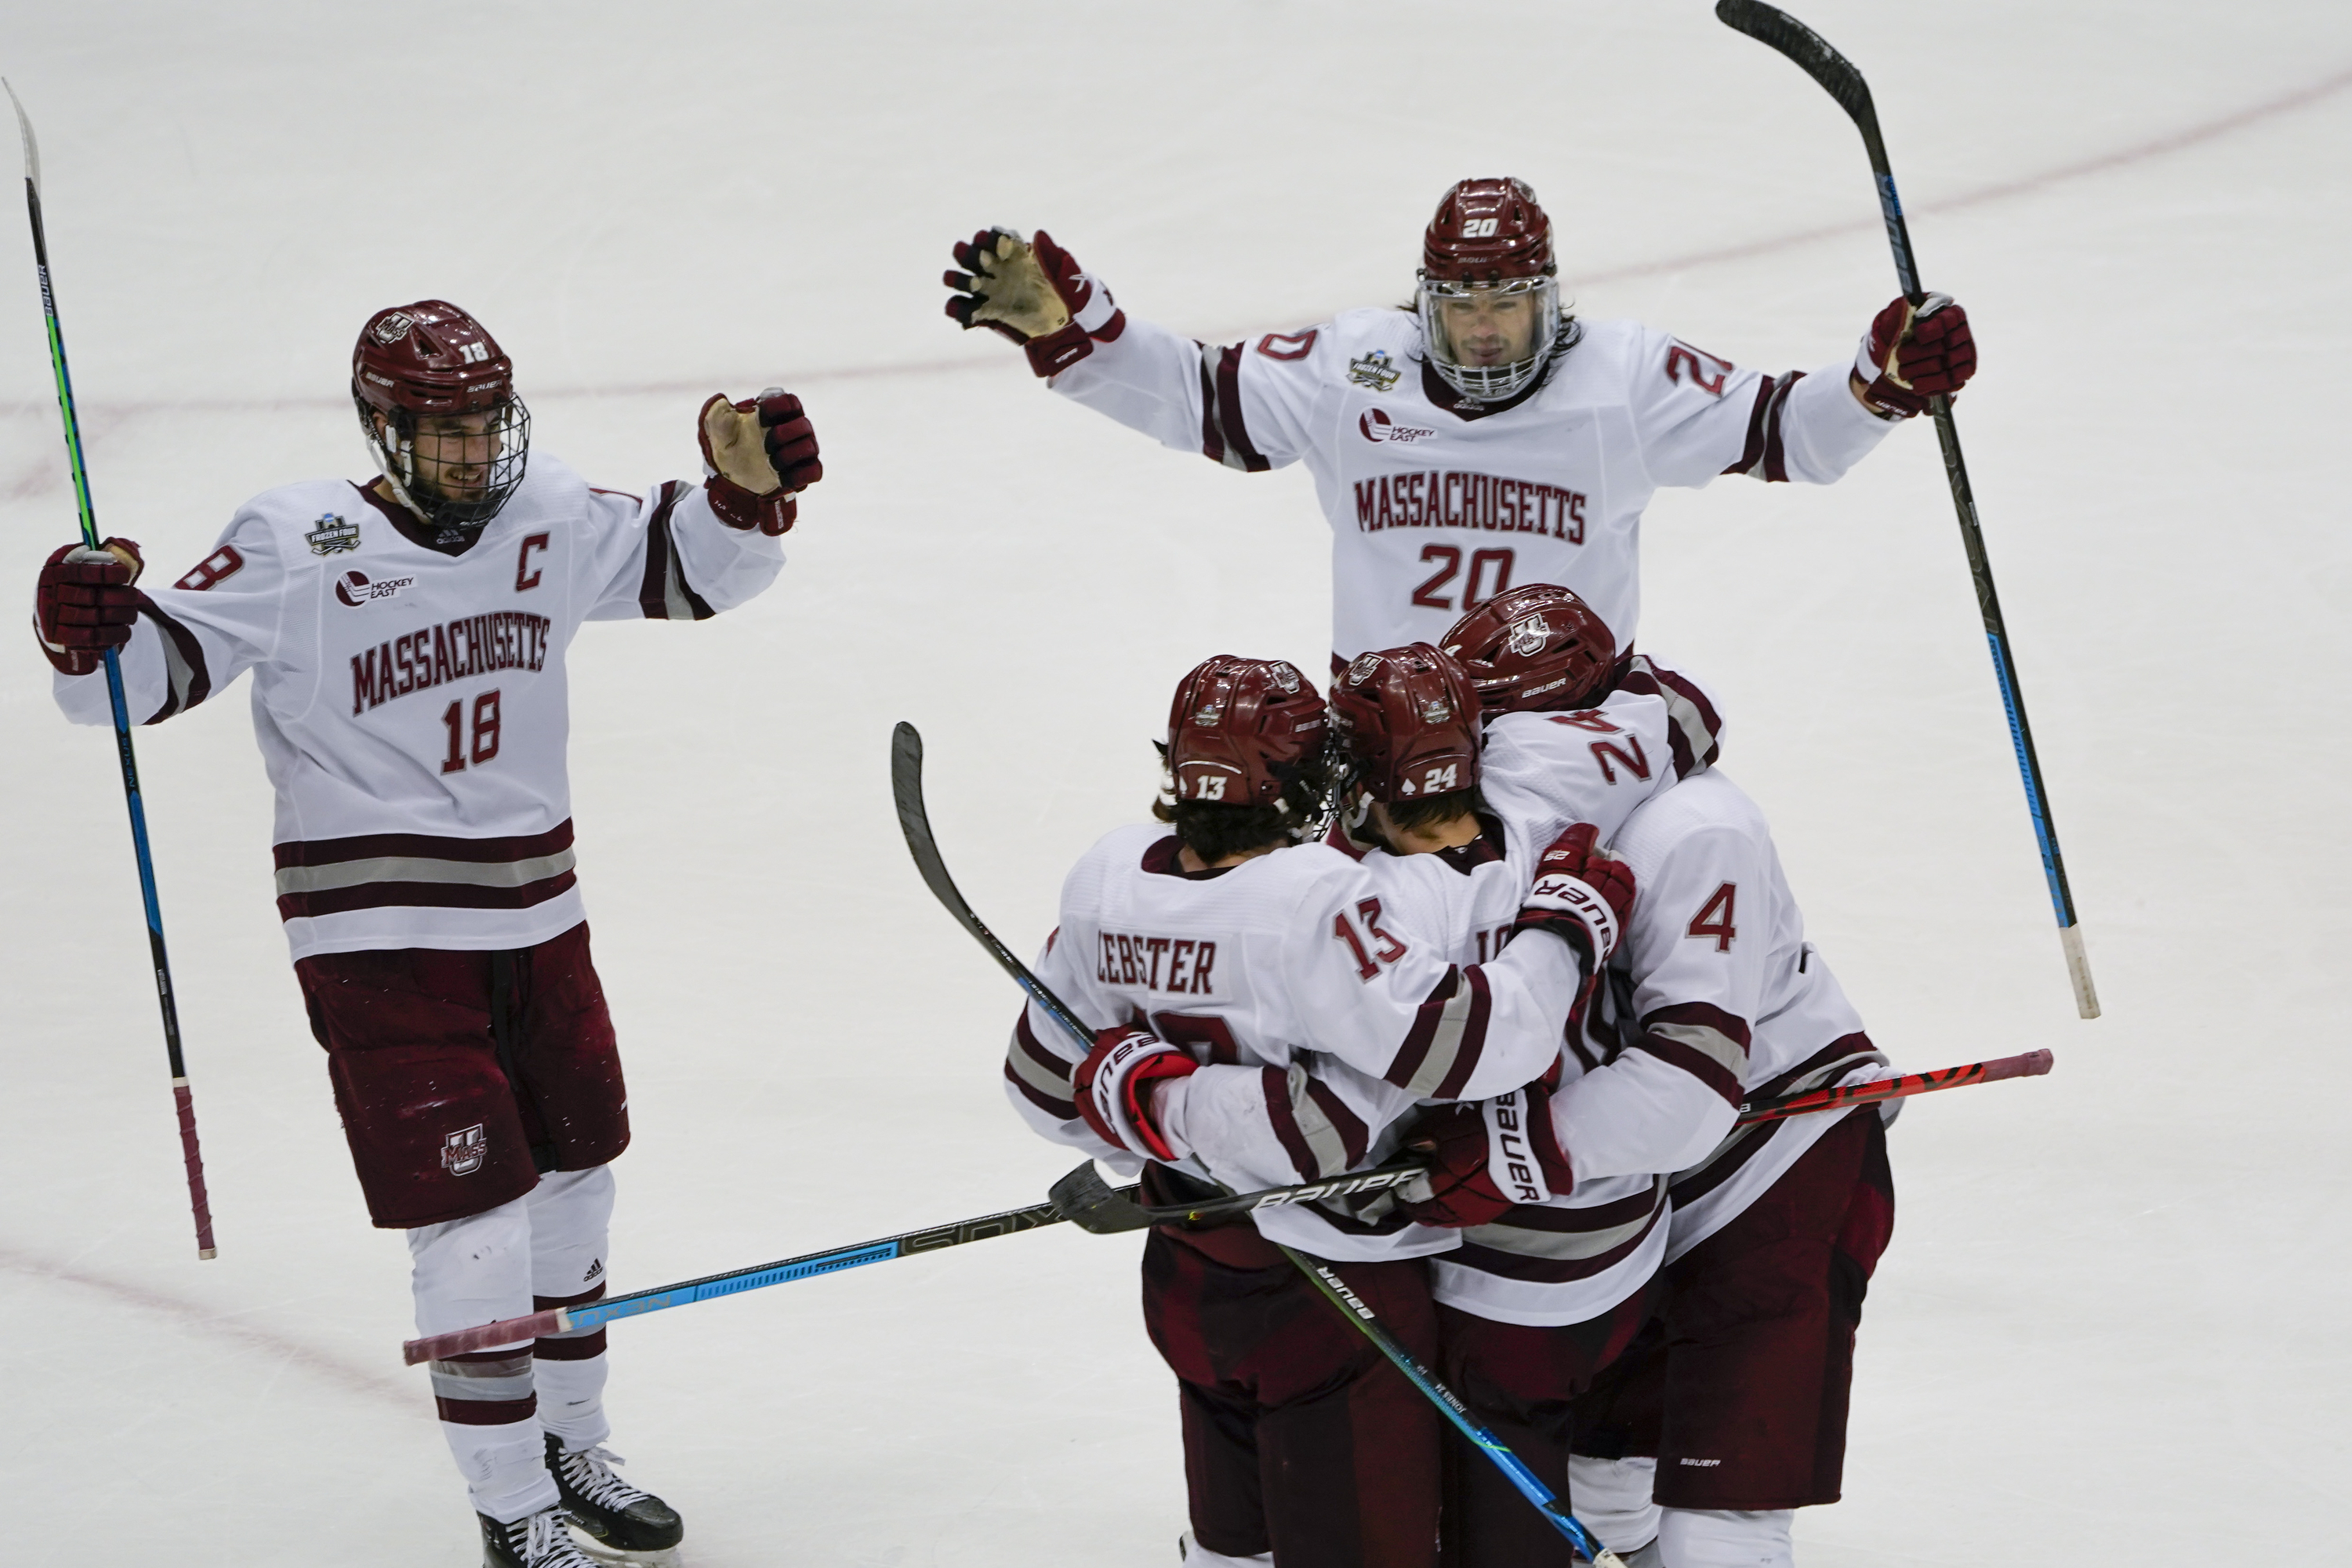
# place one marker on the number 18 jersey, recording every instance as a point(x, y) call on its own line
point(411, 705)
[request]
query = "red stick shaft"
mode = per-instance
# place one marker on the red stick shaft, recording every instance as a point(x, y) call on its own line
point(505, 1331)
point(2031, 1064)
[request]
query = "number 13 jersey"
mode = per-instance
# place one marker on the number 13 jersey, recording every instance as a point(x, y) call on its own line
point(411, 705)
point(1436, 502)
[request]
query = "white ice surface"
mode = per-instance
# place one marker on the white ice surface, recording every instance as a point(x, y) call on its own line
point(2110, 1328)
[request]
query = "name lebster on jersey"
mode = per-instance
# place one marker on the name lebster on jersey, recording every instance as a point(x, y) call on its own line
point(1132, 959)
point(433, 656)
point(1446, 498)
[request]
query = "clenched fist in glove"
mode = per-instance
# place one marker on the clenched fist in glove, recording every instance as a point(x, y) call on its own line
point(1582, 894)
point(1910, 355)
point(758, 455)
point(84, 603)
point(1116, 1086)
point(1034, 294)
point(1487, 1158)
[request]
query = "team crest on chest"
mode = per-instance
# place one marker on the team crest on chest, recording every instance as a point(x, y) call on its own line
point(332, 534)
point(1375, 370)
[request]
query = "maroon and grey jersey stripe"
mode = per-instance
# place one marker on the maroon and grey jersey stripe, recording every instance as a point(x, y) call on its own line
point(1547, 1244)
point(1043, 1077)
point(188, 681)
point(1823, 1068)
point(1694, 729)
point(1314, 1125)
point(1447, 1037)
point(1763, 458)
point(328, 876)
point(1706, 1042)
point(667, 595)
point(1224, 438)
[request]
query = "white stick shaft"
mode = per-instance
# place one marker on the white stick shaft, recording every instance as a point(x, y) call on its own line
point(2078, 967)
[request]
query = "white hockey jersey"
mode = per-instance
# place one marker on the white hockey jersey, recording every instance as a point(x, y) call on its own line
point(1437, 503)
point(1255, 969)
point(1714, 975)
point(411, 706)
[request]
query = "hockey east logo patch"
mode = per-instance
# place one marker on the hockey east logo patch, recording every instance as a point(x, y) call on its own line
point(1378, 427)
point(463, 1152)
point(353, 588)
point(331, 534)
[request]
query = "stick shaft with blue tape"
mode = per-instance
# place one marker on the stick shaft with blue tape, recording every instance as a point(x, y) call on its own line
point(759, 1277)
point(1811, 54)
point(183, 1098)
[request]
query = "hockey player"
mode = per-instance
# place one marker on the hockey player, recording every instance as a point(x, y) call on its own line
point(1224, 958)
point(1483, 438)
point(1554, 1186)
point(1735, 1398)
point(406, 638)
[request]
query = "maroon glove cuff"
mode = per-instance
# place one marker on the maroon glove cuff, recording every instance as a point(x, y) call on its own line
point(738, 507)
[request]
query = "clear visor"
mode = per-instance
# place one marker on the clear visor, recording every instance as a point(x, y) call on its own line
point(1489, 339)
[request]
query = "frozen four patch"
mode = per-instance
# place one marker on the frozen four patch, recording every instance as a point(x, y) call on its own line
point(1374, 370)
point(331, 534)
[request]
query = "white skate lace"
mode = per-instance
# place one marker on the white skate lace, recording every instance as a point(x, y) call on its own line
point(590, 1473)
point(547, 1543)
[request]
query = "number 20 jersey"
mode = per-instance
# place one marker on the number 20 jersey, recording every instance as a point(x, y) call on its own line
point(1436, 506)
point(411, 706)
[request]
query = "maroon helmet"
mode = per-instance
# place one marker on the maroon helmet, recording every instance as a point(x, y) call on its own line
point(1241, 728)
point(1410, 720)
point(1534, 649)
point(430, 370)
point(1489, 295)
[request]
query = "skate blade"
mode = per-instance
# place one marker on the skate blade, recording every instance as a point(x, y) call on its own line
point(667, 1557)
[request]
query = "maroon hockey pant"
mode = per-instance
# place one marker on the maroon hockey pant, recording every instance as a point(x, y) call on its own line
point(1522, 1383)
point(461, 1075)
point(1739, 1385)
point(1299, 1439)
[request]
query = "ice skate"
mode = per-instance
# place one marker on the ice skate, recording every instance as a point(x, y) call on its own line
point(535, 1541)
point(621, 1517)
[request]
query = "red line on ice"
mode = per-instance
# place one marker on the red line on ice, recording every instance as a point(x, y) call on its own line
point(2155, 147)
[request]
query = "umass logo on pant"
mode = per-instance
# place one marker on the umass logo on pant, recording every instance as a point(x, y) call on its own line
point(462, 1153)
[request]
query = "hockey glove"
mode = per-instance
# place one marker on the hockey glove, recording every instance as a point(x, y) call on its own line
point(1487, 1158)
point(84, 604)
point(1115, 1086)
point(756, 456)
point(1035, 295)
point(1909, 356)
point(1582, 894)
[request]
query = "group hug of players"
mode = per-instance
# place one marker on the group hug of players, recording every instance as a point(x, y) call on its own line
point(1542, 943)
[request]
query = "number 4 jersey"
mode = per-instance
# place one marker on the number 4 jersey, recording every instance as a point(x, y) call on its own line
point(411, 705)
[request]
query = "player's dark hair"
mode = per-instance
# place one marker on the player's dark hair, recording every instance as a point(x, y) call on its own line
point(1212, 830)
point(1412, 814)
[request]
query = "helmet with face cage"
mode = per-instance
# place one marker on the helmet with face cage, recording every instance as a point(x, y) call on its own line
point(1409, 722)
point(1490, 289)
point(430, 368)
point(1240, 729)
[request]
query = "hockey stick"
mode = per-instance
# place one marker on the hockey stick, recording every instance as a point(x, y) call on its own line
point(189, 1155)
point(2031, 1064)
point(906, 785)
point(1092, 1204)
point(759, 1277)
point(1777, 29)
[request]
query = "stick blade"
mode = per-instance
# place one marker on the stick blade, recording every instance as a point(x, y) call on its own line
point(1091, 1203)
point(1776, 29)
point(915, 822)
point(32, 146)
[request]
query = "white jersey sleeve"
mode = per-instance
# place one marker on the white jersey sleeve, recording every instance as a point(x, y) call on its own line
point(1247, 405)
point(224, 615)
point(1042, 1056)
point(668, 557)
point(1697, 416)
